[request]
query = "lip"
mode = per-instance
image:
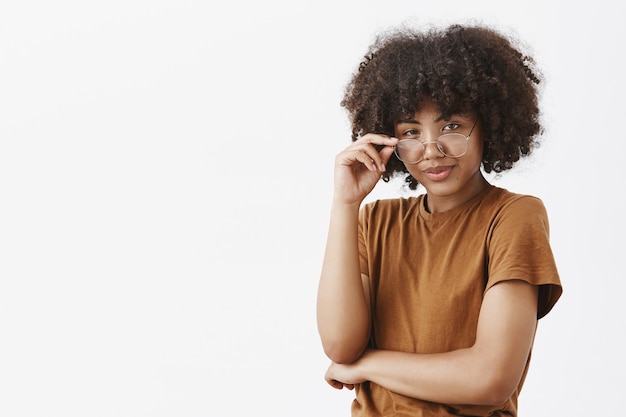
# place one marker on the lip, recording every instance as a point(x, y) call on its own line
point(438, 173)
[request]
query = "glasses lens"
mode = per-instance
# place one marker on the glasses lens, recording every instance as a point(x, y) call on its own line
point(453, 144)
point(409, 151)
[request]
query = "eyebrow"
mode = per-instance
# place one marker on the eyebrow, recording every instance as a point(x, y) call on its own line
point(417, 122)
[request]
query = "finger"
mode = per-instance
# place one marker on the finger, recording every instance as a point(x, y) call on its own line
point(371, 161)
point(380, 156)
point(368, 156)
point(359, 156)
point(377, 139)
point(335, 384)
point(386, 152)
point(364, 151)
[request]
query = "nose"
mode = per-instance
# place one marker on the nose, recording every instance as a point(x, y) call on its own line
point(431, 150)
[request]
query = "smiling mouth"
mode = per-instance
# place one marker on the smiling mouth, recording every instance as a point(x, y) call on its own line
point(438, 173)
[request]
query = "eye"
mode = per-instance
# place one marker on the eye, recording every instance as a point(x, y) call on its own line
point(450, 127)
point(410, 133)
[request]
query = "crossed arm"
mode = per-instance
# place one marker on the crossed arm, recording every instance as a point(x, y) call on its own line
point(486, 373)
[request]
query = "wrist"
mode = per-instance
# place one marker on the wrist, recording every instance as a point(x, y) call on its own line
point(365, 364)
point(345, 205)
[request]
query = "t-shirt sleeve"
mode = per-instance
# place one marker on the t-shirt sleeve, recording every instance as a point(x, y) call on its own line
point(519, 249)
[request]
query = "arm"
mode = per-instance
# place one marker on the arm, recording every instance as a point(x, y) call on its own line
point(486, 373)
point(343, 307)
point(343, 315)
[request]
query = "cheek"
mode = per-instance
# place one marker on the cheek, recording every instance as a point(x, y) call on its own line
point(475, 151)
point(474, 161)
point(413, 171)
point(478, 144)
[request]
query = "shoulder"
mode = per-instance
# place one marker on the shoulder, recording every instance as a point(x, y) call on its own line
point(504, 197)
point(391, 206)
point(504, 203)
point(518, 218)
point(388, 214)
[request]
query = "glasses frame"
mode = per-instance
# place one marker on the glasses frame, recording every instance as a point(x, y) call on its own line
point(439, 147)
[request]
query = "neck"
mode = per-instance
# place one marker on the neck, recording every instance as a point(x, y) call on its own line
point(439, 203)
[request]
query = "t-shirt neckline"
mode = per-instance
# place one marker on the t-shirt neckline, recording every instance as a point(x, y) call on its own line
point(454, 211)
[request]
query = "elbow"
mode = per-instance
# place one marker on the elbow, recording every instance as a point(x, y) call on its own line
point(342, 353)
point(494, 397)
point(494, 378)
point(344, 347)
point(495, 390)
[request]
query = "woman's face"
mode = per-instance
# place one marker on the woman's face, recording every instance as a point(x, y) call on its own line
point(450, 180)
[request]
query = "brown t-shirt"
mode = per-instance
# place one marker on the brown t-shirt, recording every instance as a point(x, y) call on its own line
point(429, 271)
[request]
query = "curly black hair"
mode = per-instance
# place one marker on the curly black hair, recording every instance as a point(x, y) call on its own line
point(460, 69)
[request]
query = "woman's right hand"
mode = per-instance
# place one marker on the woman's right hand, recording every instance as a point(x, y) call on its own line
point(359, 167)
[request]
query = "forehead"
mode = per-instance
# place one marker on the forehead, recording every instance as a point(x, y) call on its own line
point(429, 112)
point(423, 118)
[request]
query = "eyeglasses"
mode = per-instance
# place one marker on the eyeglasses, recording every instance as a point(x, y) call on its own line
point(452, 145)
